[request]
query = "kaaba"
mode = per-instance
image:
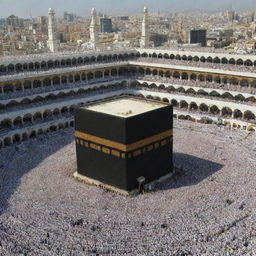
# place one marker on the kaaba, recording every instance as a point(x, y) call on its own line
point(122, 139)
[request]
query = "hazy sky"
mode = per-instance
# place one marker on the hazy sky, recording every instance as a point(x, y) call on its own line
point(23, 8)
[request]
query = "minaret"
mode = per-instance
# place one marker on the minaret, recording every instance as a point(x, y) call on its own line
point(52, 42)
point(144, 43)
point(94, 29)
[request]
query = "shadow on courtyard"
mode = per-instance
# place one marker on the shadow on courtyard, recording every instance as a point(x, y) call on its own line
point(193, 171)
point(19, 159)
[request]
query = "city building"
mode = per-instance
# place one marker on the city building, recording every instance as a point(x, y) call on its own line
point(106, 25)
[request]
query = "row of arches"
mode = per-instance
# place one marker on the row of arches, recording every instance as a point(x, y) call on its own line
point(198, 58)
point(199, 91)
point(64, 62)
point(61, 94)
point(201, 77)
point(31, 84)
point(38, 117)
point(204, 108)
point(19, 137)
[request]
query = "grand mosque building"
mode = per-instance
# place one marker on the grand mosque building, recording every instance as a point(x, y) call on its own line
point(39, 93)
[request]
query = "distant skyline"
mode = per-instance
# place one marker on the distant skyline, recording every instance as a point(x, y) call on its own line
point(34, 8)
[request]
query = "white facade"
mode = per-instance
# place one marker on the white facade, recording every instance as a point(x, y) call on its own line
point(52, 43)
point(144, 43)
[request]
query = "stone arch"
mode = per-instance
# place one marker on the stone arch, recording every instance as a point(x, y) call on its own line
point(251, 99)
point(202, 59)
point(56, 112)
point(47, 82)
point(25, 65)
point(63, 63)
point(28, 119)
point(37, 116)
point(204, 108)
point(166, 56)
point(155, 72)
point(74, 61)
point(56, 80)
point(226, 111)
point(184, 57)
point(174, 102)
point(237, 114)
point(36, 84)
point(177, 57)
point(239, 62)
point(184, 76)
point(161, 86)
point(224, 61)
point(193, 106)
point(214, 110)
point(176, 75)
point(181, 89)
point(99, 58)
point(18, 67)
point(6, 123)
point(183, 104)
point(248, 63)
point(191, 91)
point(8, 88)
point(240, 97)
point(209, 78)
point(193, 77)
point(248, 115)
point(50, 64)
point(201, 78)
point(234, 81)
point(227, 95)
point(209, 59)
point(244, 83)
point(17, 122)
point(165, 100)
point(56, 63)
point(10, 68)
point(47, 114)
point(217, 80)
point(32, 134)
point(170, 88)
point(214, 94)
point(202, 92)
point(196, 58)
point(232, 61)
point(12, 103)
point(38, 99)
point(153, 86)
point(98, 74)
point(144, 55)
point(216, 60)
